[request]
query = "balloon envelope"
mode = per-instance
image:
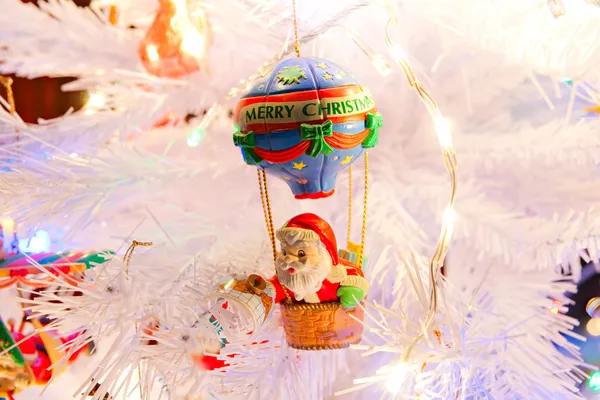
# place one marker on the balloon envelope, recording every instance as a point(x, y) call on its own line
point(304, 120)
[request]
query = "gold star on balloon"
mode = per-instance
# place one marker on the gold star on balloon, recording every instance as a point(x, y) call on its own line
point(299, 166)
point(341, 74)
point(346, 160)
point(322, 65)
point(265, 71)
point(327, 76)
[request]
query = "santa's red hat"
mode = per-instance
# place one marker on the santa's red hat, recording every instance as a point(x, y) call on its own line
point(312, 227)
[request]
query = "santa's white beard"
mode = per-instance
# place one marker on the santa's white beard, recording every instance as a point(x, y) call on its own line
point(305, 280)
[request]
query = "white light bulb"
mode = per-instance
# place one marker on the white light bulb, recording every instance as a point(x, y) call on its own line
point(442, 128)
point(593, 326)
point(96, 100)
point(396, 377)
point(193, 43)
point(381, 64)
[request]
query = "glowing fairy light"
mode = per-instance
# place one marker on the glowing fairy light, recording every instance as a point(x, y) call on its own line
point(8, 224)
point(193, 42)
point(594, 382)
point(394, 377)
point(39, 243)
point(96, 100)
point(444, 134)
point(593, 327)
point(449, 220)
point(195, 138)
point(397, 377)
point(381, 64)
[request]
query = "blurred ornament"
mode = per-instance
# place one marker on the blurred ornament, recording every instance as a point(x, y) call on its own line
point(177, 40)
point(18, 268)
point(35, 353)
point(593, 307)
point(30, 356)
point(304, 120)
point(243, 306)
point(194, 139)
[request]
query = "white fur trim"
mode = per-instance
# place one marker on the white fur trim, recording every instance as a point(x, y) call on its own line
point(356, 281)
point(292, 235)
point(337, 274)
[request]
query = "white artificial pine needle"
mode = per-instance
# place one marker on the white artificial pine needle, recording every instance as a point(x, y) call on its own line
point(526, 201)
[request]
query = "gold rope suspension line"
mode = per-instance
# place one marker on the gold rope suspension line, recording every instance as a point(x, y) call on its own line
point(364, 220)
point(297, 39)
point(266, 205)
point(349, 237)
point(127, 260)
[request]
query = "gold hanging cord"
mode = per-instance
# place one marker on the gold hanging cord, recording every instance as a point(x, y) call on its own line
point(349, 236)
point(297, 39)
point(268, 214)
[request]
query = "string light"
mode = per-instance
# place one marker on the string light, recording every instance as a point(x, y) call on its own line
point(195, 138)
point(8, 224)
point(95, 103)
point(394, 377)
point(594, 382)
point(593, 327)
point(39, 243)
point(445, 140)
point(442, 127)
point(397, 377)
point(381, 65)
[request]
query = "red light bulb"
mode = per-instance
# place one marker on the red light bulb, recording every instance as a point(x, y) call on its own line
point(177, 40)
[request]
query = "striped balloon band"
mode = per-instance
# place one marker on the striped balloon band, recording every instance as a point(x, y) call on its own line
point(318, 115)
point(18, 267)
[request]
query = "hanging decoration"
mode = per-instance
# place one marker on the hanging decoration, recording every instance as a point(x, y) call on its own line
point(25, 358)
point(177, 41)
point(304, 120)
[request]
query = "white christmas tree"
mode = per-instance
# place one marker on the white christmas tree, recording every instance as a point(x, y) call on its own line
point(513, 81)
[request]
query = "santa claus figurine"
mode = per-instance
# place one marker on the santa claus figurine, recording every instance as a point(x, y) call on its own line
point(309, 269)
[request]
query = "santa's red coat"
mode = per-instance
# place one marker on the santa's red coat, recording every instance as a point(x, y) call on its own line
point(328, 291)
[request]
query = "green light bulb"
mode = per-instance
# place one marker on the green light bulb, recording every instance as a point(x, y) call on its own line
point(594, 382)
point(194, 138)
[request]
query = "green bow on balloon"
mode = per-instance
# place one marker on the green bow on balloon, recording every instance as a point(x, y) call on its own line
point(316, 134)
point(374, 122)
point(248, 143)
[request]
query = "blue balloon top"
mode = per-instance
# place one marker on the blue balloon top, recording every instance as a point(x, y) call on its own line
point(306, 74)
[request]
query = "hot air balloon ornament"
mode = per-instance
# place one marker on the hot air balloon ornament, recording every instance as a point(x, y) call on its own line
point(304, 120)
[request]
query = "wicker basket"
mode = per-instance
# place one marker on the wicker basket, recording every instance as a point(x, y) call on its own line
point(321, 326)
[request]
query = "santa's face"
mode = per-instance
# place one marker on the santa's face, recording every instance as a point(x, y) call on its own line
point(302, 266)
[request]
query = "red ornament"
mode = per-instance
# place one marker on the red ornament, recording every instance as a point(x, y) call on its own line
point(177, 40)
